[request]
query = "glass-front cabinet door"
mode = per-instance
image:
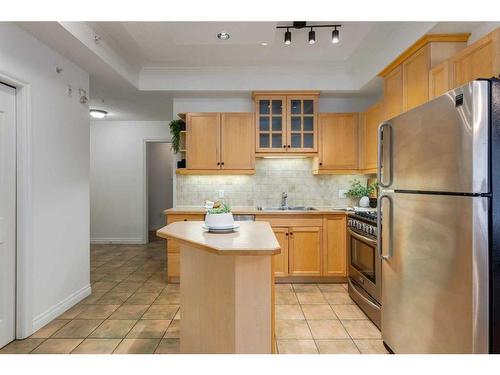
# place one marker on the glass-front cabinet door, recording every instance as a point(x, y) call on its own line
point(302, 127)
point(271, 124)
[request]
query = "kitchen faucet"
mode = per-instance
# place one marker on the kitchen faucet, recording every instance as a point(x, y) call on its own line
point(284, 196)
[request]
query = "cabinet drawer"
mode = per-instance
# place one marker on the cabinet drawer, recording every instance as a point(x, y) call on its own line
point(291, 220)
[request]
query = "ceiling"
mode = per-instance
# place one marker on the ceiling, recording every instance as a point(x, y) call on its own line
point(137, 69)
point(195, 44)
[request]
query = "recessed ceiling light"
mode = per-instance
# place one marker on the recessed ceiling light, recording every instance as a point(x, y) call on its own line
point(263, 44)
point(223, 35)
point(98, 113)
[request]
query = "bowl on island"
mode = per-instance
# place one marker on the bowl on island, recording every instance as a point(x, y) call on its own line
point(219, 221)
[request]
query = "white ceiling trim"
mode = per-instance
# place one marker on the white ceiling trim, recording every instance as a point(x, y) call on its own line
point(86, 35)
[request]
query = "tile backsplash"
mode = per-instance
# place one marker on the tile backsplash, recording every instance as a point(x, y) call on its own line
point(272, 177)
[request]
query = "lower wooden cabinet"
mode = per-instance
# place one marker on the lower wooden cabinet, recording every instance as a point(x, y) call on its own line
point(334, 246)
point(173, 251)
point(281, 260)
point(304, 251)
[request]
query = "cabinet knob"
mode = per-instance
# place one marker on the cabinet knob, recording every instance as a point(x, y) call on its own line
point(222, 163)
point(284, 146)
point(218, 163)
point(320, 163)
point(288, 146)
point(291, 233)
point(286, 234)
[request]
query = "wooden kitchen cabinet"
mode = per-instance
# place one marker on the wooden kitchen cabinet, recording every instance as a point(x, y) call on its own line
point(338, 148)
point(173, 251)
point(334, 246)
point(286, 122)
point(302, 134)
point(202, 140)
point(221, 142)
point(281, 260)
point(304, 251)
point(479, 60)
point(439, 79)
point(237, 141)
point(369, 123)
point(393, 93)
point(415, 78)
point(407, 83)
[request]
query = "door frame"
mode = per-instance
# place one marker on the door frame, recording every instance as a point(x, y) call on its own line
point(145, 188)
point(24, 205)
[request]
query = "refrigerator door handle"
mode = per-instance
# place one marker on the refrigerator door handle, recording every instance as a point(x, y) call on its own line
point(380, 157)
point(387, 224)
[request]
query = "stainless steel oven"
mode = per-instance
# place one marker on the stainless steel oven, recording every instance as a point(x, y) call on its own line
point(364, 264)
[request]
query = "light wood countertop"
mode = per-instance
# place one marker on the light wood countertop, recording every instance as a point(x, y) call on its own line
point(193, 210)
point(252, 238)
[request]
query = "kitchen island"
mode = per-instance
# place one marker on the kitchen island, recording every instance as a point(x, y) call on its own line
point(227, 287)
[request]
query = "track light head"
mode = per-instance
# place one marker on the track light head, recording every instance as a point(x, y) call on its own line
point(288, 37)
point(312, 36)
point(335, 36)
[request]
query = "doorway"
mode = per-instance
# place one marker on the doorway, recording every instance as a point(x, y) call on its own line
point(7, 214)
point(159, 176)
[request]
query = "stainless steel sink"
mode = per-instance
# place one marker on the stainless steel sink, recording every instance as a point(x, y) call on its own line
point(288, 208)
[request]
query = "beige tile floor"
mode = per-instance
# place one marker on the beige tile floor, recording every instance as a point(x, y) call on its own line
point(133, 309)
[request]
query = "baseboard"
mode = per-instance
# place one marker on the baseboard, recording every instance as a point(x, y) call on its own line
point(124, 241)
point(56, 310)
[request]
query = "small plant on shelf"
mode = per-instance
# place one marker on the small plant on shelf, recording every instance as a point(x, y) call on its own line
point(176, 126)
point(358, 191)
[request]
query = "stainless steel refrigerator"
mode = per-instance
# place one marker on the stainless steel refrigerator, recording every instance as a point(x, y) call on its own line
point(439, 176)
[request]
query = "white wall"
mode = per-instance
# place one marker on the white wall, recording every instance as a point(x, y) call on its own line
point(59, 250)
point(245, 104)
point(160, 182)
point(118, 178)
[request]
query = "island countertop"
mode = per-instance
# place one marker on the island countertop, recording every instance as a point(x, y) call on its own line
point(252, 238)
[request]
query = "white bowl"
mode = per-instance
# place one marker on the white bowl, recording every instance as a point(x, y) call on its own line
point(219, 220)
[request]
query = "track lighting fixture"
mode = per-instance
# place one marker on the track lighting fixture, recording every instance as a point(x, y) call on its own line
point(288, 37)
point(312, 34)
point(335, 36)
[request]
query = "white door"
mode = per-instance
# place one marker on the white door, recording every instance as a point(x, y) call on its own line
point(7, 214)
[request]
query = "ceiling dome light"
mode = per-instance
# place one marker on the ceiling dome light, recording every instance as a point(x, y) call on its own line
point(223, 35)
point(335, 36)
point(288, 37)
point(312, 36)
point(98, 113)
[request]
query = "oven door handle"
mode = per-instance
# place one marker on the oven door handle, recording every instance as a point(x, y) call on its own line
point(371, 241)
point(355, 289)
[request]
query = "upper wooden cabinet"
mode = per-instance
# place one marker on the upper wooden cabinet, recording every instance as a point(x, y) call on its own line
point(406, 79)
point(369, 123)
point(237, 141)
point(439, 79)
point(479, 60)
point(393, 93)
point(415, 80)
point(220, 142)
point(203, 140)
point(286, 122)
point(338, 142)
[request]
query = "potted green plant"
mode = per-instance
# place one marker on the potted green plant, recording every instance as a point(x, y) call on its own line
point(219, 217)
point(358, 191)
point(176, 126)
